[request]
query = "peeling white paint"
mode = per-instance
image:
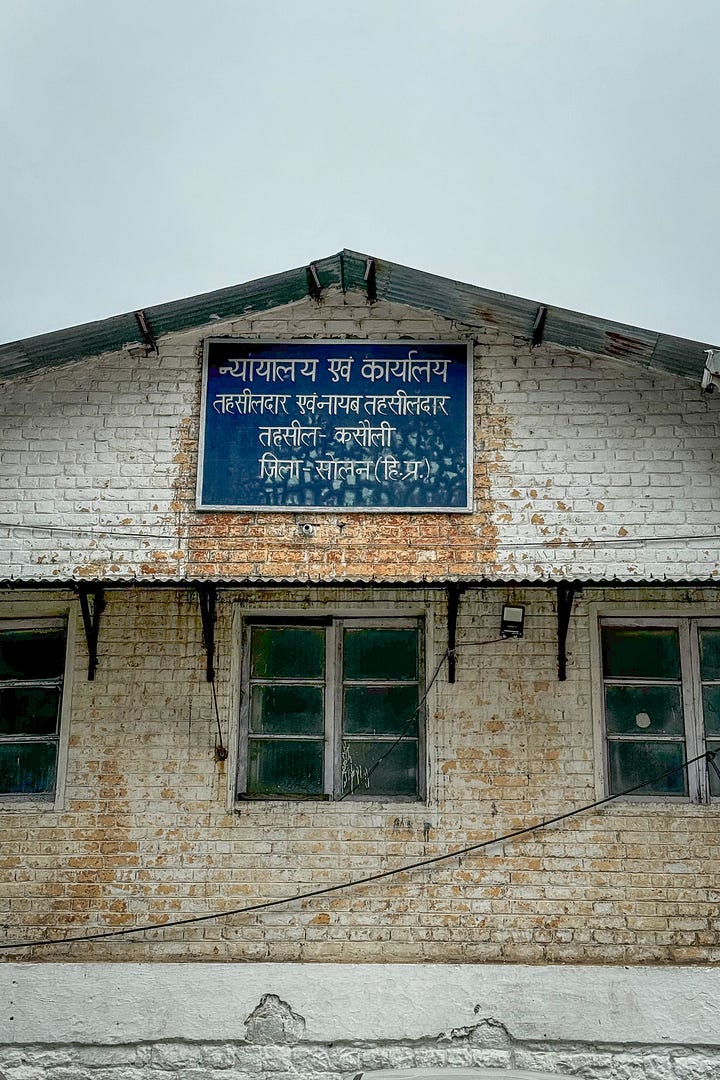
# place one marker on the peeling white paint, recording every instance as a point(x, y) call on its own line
point(110, 1003)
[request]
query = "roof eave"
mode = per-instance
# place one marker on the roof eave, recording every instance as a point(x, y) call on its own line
point(469, 305)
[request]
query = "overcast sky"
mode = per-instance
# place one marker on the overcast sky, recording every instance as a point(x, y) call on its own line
point(563, 150)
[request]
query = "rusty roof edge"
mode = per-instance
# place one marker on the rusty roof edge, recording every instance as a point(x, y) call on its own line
point(21, 357)
point(469, 581)
point(74, 343)
point(568, 315)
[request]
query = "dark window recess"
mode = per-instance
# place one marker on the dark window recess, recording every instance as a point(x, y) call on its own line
point(331, 711)
point(661, 696)
point(32, 664)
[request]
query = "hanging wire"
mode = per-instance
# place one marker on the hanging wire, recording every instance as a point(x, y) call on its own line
point(365, 779)
point(353, 883)
point(220, 749)
point(550, 545)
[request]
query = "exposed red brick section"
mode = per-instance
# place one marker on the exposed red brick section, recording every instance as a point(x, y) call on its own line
point(353, 545)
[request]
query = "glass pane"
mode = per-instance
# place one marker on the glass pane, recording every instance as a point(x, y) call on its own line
point(631, 763)
point(29, 710)
point(27, 768)
point(381, 654)
point(281, 767)
point(710, 654)
point(282, 652)
point(287, 710)
point(380, 710)
point(714, 778)
point(397, 775)
point(32, 654)
point(640, 653)
point(638, 710)
point(711, 709)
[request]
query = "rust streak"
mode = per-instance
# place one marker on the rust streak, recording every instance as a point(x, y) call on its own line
point(621, 345)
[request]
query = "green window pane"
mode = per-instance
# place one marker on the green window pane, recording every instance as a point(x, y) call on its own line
point(32, 654)
point(639, 653)
point(714, 745)
point(710, 654)
point(287, 652)
point(27, 768)
point(380, 710)
point(711, 709)
point(284, 767)
point(287, 710)
point(638, 710)
point(396, 775)
point(29, 710)
point(632, 763)
point(380, 654)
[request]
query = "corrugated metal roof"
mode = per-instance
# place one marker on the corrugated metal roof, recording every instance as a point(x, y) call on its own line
point(468, 581)
point(455, 300)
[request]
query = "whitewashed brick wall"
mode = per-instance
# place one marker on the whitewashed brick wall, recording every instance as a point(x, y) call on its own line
point(568, 448)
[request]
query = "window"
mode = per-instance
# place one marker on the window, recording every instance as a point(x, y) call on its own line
point(661, 701)
point(32, 668)
point(331, 709)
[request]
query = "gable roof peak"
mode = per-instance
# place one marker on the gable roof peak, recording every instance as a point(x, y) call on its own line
point(378, 279)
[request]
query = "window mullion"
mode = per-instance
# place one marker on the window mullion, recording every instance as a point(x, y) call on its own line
point(333, 726)
point(241, 783)
point(694, 724)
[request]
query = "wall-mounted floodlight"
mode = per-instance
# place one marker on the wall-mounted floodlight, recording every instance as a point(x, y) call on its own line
point(512, 621)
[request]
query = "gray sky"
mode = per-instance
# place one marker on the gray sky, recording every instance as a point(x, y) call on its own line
point(563, 150)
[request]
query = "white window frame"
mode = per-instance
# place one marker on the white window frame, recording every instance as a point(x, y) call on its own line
point(687, 625)
point(20, 616)
point(334, 620)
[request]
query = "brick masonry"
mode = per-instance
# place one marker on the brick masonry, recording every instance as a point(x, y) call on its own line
point(148, 832)
point(338, 1060)
point(568, 447)
point(113, 442)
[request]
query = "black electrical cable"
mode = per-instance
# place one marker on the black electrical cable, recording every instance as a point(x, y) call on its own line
point(353, 788)
point(489, 641)
point(220, 748)
point(325, 890)
point(551, 545)
point(411, 721)
point(713, 764)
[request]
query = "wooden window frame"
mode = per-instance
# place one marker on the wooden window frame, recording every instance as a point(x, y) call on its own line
point(694, 741)
point(334, 682)
point(56, 619)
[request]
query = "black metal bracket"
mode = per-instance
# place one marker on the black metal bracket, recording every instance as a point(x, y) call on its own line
point(538, 327)
point(313, 282)
point(91, 621)
point(566, 592)
point(207, 598)
point(454, 592)
point(370, 281)
point(146, 332)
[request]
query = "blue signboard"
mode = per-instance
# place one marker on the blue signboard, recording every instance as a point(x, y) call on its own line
point(351, 425)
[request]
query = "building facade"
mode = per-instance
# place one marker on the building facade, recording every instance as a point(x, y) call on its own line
point(282, 790)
